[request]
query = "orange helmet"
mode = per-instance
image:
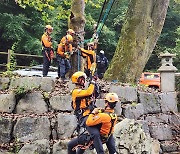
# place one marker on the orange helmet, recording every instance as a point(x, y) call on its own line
point(70, 31)
point(111, 97)
point(77, 76)
point(69, 38)
point(49, 27)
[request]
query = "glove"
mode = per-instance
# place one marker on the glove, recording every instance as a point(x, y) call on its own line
point(93, 82)
point(66, 54)
point(95, 111)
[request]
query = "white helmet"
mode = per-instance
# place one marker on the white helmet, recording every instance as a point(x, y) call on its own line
point(102, 52)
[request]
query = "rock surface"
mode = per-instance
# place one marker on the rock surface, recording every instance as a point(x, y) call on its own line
point(6, 125)
point(38, 146)
point(130, 138)
point(31, 129)
point(32, 103)
point(7, 102)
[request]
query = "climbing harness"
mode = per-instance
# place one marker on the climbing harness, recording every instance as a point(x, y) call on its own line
point(85, 140)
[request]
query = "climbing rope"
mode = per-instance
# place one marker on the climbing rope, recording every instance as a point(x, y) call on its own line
point(107, 11)
point(79, 60)
point(103, 20)
point(99, 27)
point(101, 13)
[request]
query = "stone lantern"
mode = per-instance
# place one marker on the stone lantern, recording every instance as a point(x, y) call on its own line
point(167, 72)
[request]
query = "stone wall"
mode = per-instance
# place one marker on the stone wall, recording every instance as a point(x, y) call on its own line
point(36, 117)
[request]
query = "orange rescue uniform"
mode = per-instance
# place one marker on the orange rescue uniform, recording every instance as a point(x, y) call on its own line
point(90, 55)
point(65, 45)
point(46, 41)
point(81, 99)
point(105, 119)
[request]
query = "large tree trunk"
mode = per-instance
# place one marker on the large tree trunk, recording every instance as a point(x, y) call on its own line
point(140, 32)
point(77, 23)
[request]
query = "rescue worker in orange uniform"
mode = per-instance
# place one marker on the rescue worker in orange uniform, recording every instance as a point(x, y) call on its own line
point(100, 124)
point(81, 98)
point(65, 49)
point(90, 55)
point(47, 49)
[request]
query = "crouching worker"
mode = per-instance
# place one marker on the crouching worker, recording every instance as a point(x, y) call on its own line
point(100, 125)
point(81, 98)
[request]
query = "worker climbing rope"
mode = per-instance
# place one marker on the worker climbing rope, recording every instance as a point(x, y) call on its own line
point(81, 98)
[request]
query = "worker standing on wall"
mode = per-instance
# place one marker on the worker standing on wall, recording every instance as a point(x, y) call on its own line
point(65, 50)
point(102, 64)
point(47, 49)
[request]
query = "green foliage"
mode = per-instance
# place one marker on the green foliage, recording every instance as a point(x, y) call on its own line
point(11, 65)
point(21, 26)
point(38, 4)
point(46, 96)
point(13, 27)
point(17, 146)
point(169, 35)
point(21, 92)
point(177, 84)
point(117, 16)
point(50, 9)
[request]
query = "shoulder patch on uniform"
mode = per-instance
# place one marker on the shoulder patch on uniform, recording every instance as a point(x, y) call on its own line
point(95, 117)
